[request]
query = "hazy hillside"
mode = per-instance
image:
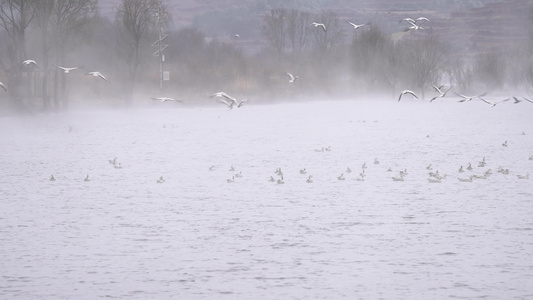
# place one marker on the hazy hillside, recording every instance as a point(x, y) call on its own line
point(485, 24)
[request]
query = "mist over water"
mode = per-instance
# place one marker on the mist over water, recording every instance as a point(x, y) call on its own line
point(195, 236)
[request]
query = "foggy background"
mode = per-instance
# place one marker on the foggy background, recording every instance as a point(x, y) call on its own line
point(246, 47)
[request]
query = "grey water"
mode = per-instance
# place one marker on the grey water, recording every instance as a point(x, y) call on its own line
point(123, 235)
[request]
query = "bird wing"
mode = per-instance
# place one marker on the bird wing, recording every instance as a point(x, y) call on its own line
point(527, 99)
point(290, 76)
point(437, 89)
point(101, 76)
point(410, 92)
point(488, 102)
point(3, 86)
point(444, 94)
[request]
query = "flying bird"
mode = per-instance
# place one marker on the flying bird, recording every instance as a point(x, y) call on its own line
point(3, 86)
point(528, 100)
point(469, 98)
point(413, 27)
point(97, 74)
point(356, 26)
point(407, 92)
point(292, 78)
point(492, 104)
point(441, 93)
point(230, 101)
point(319, 25)
point(29, 62)
point(67, 70)
point(165, 99)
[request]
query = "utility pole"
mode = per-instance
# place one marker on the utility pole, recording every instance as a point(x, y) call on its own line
point(161, 46)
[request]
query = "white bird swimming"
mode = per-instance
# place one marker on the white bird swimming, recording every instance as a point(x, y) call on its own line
point(67, 70)
point(407, 92)
point(356, 26)
point(398, 178)
point(523, 176)
point(280, 181)
point(319, 25)
point(3, 86)
point(160, 180)
point(434, 180)
point(87, 178)
point(441, 93)
point(303, 171)
point(309, 179)
point(341, 177)
point(97, 74)
point(165, 99)
point(466, 179)
point(231, 180)
point(292, 78)
point(29, 62)
point(52, 178)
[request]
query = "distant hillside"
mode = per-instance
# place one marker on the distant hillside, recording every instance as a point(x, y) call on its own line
point(473, 26)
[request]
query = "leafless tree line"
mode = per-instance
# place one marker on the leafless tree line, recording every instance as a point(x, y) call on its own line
point(338, 61)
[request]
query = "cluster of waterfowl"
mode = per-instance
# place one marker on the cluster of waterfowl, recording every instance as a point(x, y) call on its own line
point(434, 176)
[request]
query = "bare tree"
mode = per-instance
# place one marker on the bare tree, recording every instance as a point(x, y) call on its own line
point(332, 36)
point(274, 29)
point(371, 51)
point(298, 29)
point(423, 62)
point(136, 20)
point(15, 17)
point(68, 17)
point(489, 69)
point(43, 16)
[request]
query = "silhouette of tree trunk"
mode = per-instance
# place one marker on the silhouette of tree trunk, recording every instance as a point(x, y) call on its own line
point(136, 19)
point(274, 30)
point(423, 62)
point(43, 15)
point(15, 17)
point(298, 29)
point(68, 17)
point(332, 36)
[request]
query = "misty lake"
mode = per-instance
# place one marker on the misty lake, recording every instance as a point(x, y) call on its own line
point(123, 235)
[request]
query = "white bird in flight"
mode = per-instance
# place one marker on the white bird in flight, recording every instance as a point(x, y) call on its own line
point(319, 25)
point(356, 26)
point(165, 99)
point(469, 98)
point(492, 104)
point(67, 70)
point(29, 62)
point(230, 101)
point(292, 78)
point(441, 93)
point(97, 74)
point(407, 92)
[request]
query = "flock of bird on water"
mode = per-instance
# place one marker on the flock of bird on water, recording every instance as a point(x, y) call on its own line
point(231, 102)
point(433, 175)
